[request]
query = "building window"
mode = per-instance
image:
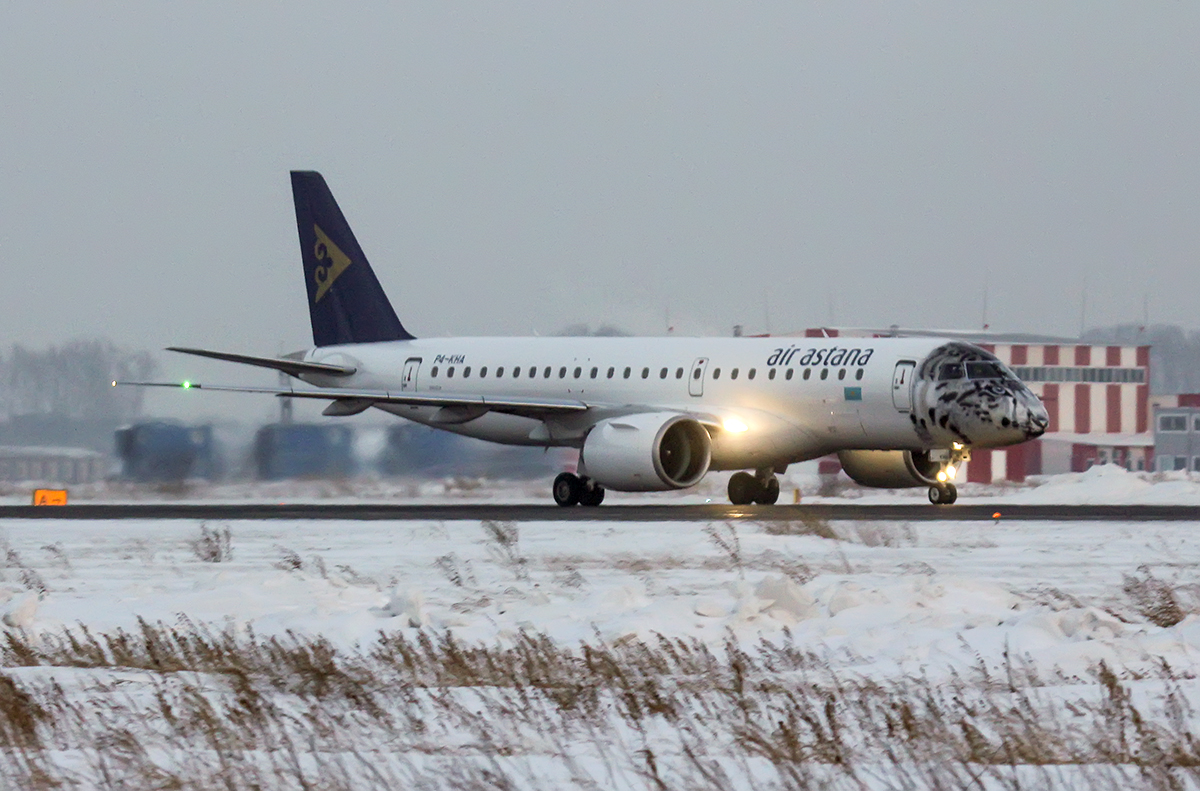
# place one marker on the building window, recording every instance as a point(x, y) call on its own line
point(1172, 423)
point(433, 372)
point(1196, 423)
point(628, 371)
point(1196, 464)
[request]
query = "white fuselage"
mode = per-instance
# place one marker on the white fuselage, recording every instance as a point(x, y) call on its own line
point(797, 398)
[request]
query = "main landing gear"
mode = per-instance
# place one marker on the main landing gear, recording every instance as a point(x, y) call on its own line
point(570, 489)
point(745, 488)
point(943, 494)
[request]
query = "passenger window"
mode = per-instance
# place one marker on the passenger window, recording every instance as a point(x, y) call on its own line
point(858, 374)
point(467, 372)
point(594, 371)
point(842, 374)
point(433, 372)
point(733, 374)
point(562, 372)
point(533, 372)
point(627, 372)
point(751, 374)
point(611, 371)
point(483, 372)
point(578, 371)
point(678, 373)
point(645, 373)
point(450, 372)
point(662, 374)
point(696, 373)
point(807, 373)
point(716, 373)
point(500, 372)
point(546, 373)
point(789, 374)
point(516, 371)
point(771, 374)
point(824, 373)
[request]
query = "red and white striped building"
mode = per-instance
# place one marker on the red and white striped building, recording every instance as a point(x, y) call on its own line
point(1098, 399)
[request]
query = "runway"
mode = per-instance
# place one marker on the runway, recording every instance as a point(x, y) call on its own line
point(609, 513)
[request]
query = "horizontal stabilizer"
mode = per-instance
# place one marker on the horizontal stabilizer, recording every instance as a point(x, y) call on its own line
point(291, 367)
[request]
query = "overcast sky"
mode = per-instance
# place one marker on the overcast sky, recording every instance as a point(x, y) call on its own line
point(513, 168)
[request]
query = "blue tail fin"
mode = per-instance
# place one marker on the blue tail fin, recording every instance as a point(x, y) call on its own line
point(345, 301)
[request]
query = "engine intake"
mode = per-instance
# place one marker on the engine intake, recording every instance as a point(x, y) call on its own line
point(889, 469)
point(651, 452)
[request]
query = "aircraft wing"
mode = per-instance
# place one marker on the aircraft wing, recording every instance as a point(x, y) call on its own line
point(291, 367)
point(459, 408)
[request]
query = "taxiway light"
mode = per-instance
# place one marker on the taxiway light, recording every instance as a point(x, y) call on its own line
point(735, 425)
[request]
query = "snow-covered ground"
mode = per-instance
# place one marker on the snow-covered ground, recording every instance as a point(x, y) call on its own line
point(867, 603)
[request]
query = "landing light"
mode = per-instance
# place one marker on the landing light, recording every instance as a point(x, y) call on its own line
point(950, 471)
point(735, 425)
point(941, 476)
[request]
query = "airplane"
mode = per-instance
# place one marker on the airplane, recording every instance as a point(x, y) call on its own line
point(646, 414)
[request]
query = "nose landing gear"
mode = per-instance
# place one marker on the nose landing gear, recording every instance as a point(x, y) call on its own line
point(745, 488)
point(943, 494)
point(570, 489)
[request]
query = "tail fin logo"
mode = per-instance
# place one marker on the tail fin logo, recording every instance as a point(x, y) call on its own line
point(336, 263)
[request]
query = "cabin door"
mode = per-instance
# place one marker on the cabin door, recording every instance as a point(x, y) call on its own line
point(408, 382)
point(902, 385)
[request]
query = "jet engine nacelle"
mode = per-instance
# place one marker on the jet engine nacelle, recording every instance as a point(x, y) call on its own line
point(890, 469)
point(652, 452)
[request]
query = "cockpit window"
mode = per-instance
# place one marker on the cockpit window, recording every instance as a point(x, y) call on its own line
point(984, 370)
point(951, 371)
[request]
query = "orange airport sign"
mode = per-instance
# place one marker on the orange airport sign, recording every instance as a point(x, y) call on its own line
point(50, 497)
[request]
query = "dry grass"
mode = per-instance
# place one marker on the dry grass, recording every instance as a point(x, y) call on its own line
point(184, 707)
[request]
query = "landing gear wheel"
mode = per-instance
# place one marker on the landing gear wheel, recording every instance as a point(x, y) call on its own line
point(768, 491)
point(945, 494)
point(591, 494)
point(567, 489)
point(742, 488)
